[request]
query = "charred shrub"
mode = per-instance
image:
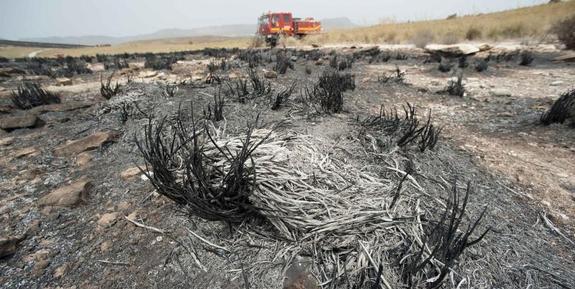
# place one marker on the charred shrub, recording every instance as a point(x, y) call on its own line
point(170, 90)
point(4, 59)
point(481, 65)
point(260, 87)
point(455, 86)
point(445, 65)
point(252, 57)
point(283, 62)
point(75, 66)
point(345, 63)
point(405, 130)
point(397, 77)
point(462, 62)
point(239, 89)
point(163, 62)
point(29, 95)
point(526, 58)
point(328, 92)
point(282, 96)
point(564, 30)
point(561, 110)
point(107, 90)
point(446, 239)
point(216, 184)
point(215, 110)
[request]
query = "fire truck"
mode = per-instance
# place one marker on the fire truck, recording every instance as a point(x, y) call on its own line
point(272, 25)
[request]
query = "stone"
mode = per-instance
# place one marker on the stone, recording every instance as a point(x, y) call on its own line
point(148, 74)
point(107, 219)
point(63, 81)
point(30, 151)
point(105, 246)
point(556, 83)
point(270, 74)
point(500, 92)
point(9, 245)
point(83, 159)
point(6, 141)
point(91, 142)
point(97, 67)
point(40, 267)
point(452, 50)
point(569, 57)
point(60, 271)
point(130, 173)
point(18, 121)
point(67, 196)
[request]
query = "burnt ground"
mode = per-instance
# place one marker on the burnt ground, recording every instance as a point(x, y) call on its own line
point(521, 171)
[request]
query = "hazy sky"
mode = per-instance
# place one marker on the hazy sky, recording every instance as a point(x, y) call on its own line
point(41, 18)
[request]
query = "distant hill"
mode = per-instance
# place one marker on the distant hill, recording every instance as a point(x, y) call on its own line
point(224, 30)
point(337, 23)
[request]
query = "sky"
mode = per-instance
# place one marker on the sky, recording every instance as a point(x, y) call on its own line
point(45, 18)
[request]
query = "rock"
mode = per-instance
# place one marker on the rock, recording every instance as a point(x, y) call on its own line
point(148, 74)
point(40, 267)
point(87, 143)
point(9, 245)
point(569, 57)
point(293, 58)
point(6, 141)
point(67, 196)
point(63, 81)
point(556, 83)
point(83, 159)
point(452, 50)
point(30, 151)
point(485, 47)
point(97, 67)
point(130, 173)
point(270, 74)
point(107, 219)
point(18, 121)
point(500, 92)
point(60, 271)
point(319, 63)
point(105, 246)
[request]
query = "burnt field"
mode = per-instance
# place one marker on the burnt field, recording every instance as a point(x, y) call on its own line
point(318, 168)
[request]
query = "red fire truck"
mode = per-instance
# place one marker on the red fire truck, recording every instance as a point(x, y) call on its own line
point(272, 25)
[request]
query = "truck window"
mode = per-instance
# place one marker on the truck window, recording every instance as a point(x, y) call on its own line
point(275, 20)
point(286, 19)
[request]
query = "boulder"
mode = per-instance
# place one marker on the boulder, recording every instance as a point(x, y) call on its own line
point(84, 144)
point(18, 121)
point(97, 67)
point(67, 196)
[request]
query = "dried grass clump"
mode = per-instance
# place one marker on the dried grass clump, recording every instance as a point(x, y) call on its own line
point(30, 94)
point(561, 110)
point(565, 32)
point(293, 197)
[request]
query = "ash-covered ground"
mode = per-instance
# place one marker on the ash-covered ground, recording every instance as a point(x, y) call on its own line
point(358, 194)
